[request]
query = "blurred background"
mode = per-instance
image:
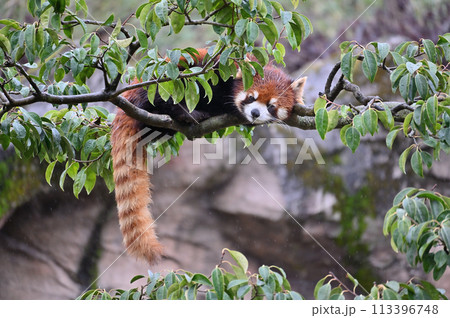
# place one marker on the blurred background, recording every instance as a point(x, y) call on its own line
point(53, 246)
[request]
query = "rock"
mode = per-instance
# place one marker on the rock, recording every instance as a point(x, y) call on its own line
point(254, 190)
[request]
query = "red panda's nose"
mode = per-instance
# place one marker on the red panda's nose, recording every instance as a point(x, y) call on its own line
point(255, 113)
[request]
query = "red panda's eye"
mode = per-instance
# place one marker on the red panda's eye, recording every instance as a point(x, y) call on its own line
point(251, 99)
point(270, 107)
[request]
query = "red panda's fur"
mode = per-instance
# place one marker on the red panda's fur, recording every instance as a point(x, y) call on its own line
point(133, 184)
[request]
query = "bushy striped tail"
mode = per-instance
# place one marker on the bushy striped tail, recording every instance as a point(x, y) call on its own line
point(132, 191)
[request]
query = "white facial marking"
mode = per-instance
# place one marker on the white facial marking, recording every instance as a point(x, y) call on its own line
point(273, 100)
point(255, 94)
point(240, 97)
point(264, 115)
point(282, 113)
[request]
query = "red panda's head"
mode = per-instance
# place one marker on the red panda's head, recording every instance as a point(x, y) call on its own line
point(270, 98)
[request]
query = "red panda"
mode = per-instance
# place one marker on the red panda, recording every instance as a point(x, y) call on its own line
point(270, 98)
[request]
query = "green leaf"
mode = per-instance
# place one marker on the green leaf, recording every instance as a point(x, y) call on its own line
point(320, 103)
point(79, 182)
point(333, 119)
point(240, 259)
point(430, 49)
point(252, 32)
point(224, 56)
point(91, 178)
point(396, 76)
point(321, 120)
point(430, 111)
point(390, 138)
point(191, 95)
point(165, 90)
point(237, 282)
point(438, 272)
point(201, 279)
point(403, 86)
point(49, 172)
point(142, 37)
point(218, 282)
point(324, 292)
point(151, 92)
point(20, 131)
point(135, 278)
point(386, 118)
point(412, 67)
point(177, 21)
point(347, 65)
point(4, 141)
point(352, 137)
point(172, 70)
point(444, 233)
point(389, 294)
point(242, 291)
point(125, 42)
point(422, 85)
point(162, 10)
point(383, 49)
point(342, 133)
point(241, 27)
point(402, 159)
point(5, 45)
point(369, 65)
point(407, 123)
point(370, 119)
point(269, 30)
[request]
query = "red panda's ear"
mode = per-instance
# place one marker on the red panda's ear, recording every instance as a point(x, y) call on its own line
point(298, 86)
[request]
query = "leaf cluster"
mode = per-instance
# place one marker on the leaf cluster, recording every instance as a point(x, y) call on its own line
point(419, 226)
